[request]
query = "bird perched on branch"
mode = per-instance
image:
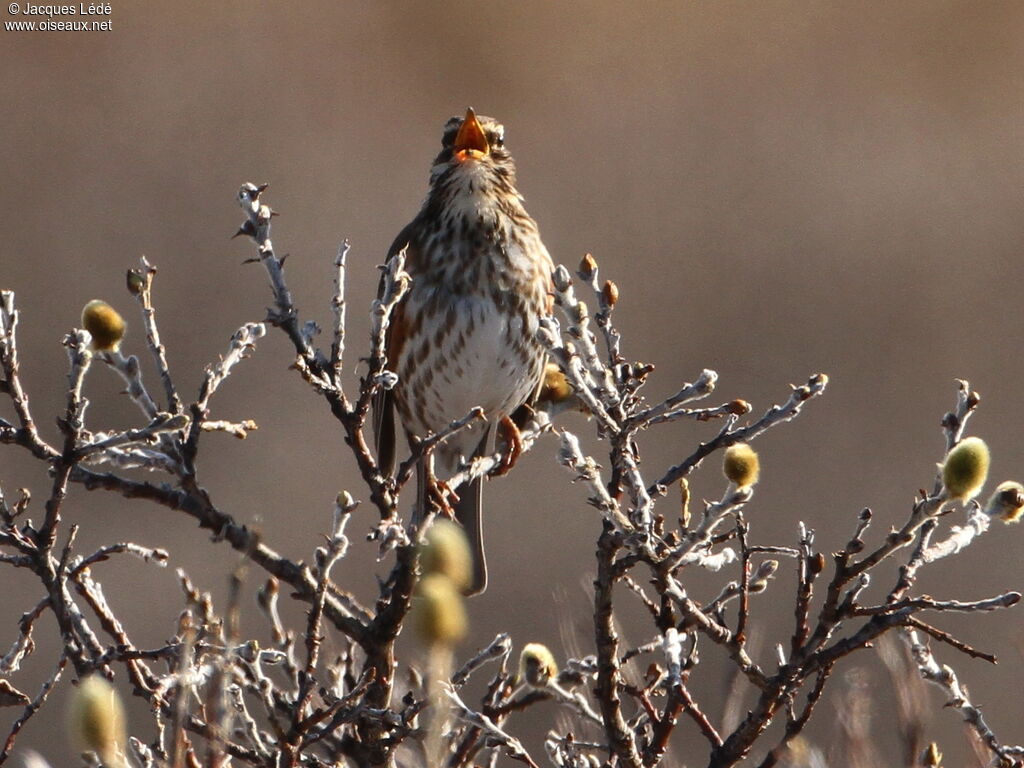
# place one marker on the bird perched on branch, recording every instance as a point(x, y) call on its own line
point(465, 333)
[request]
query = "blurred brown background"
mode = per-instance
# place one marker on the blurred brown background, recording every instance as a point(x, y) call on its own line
point(777, 187)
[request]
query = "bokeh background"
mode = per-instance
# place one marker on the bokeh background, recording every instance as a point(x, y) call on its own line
point(778, 188)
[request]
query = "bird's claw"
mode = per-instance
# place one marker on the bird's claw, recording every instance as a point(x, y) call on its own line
point(443, 496)
point(513, 446)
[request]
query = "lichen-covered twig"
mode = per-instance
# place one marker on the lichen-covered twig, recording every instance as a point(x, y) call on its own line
point(27, 435)
point(498, 648)
point(777, 414)
point(946, 679)
point(514, 747)
point(140, 284)
point(338, 305)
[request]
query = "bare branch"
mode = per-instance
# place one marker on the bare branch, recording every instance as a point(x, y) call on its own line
point(140, 284)
point(338, 305)
point(777, 414)
point(956, 697)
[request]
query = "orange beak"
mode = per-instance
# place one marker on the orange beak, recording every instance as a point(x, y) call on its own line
point(470, 141)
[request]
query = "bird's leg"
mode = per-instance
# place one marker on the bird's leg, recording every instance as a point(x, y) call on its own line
point(443, 496)
point(513, 440)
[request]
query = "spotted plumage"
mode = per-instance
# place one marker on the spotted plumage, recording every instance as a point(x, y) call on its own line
point(465, 334)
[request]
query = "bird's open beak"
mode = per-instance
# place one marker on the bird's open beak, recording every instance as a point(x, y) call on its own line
point(470, 141)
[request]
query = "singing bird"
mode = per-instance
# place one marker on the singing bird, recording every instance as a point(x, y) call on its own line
point(465, 333)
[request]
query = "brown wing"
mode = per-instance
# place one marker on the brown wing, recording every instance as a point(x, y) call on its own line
point(546, 268)
point(384, 402)
point(522, 414)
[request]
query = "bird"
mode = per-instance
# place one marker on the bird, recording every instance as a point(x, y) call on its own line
point(465, 333)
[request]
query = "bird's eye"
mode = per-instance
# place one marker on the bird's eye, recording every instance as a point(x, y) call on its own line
point(498, 140)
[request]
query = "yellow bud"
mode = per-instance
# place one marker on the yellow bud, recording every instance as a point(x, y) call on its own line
point(966, 468)
point(932, 758)
point(438, 612)
point(765, 573)
point(1007, 502)
point(97, 719)
point(134, 281)
point(537, 665)
point(741, 464)
point(446, 551)
point(799, 751)
point(104, 324)
point(610, 293)
point(587, 266)
point(556, 388)
point(739, 407)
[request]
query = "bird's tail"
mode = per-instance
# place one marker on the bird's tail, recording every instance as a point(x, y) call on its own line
point(468, 512)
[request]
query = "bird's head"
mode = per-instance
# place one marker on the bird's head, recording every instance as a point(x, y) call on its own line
point(474, 145)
